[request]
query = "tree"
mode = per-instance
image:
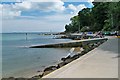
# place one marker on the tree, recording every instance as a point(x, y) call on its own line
point(103, 16)
point(99, 12)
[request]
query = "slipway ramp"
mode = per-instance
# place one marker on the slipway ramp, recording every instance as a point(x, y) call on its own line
point(74, 43)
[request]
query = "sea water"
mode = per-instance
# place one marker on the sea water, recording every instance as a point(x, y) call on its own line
point(20, 61)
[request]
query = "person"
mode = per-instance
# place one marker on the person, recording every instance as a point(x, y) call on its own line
point(83, 35)
point(99, 34)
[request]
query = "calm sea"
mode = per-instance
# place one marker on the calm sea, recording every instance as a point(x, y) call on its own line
point(21, 61)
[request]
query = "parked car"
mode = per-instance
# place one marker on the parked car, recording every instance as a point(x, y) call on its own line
point(113, 33)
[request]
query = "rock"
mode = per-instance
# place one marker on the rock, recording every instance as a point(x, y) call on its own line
point(82, 53)
point(68, 60)
point(37, 76)
point(4, 79)
point(21, 79)
point(95, 45)
point(61, 64)
point(47, 72)
point(63, 59)
point(33, 79)
point(68, 57)
point(50, 68)
point(41, 75)
point(39, 71)
point(75, 57)
point(10, 78)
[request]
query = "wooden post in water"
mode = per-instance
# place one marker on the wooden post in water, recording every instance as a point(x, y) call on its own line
point(26, 36)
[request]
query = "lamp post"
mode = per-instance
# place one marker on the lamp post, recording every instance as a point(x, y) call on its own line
point(79, 27)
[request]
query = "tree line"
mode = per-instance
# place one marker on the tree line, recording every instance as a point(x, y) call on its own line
point(104, 16)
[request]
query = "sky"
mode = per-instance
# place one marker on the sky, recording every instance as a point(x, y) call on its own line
point(38, 15)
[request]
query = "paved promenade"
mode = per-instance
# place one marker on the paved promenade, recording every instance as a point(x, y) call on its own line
point(101, 62)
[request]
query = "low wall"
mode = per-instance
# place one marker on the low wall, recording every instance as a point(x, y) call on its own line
point(76, 43)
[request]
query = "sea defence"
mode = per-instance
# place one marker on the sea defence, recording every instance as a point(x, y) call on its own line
point(101, 62)
point(74, 43)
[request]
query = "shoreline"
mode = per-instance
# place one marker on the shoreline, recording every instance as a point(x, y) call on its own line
point(65, 60)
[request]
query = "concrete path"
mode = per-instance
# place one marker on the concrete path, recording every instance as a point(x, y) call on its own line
point(101, 62)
